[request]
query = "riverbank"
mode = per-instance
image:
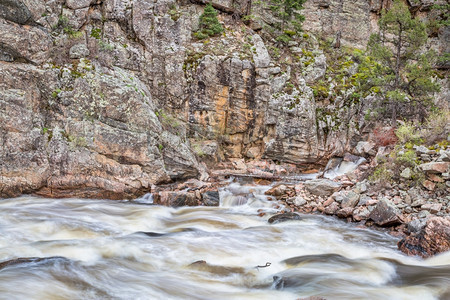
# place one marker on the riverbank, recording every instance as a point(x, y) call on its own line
point(418, 214)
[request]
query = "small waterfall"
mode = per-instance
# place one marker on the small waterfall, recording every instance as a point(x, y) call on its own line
point(337, 167)
point(146, 199)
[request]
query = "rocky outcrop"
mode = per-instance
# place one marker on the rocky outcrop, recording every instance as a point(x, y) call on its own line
point(434, 238)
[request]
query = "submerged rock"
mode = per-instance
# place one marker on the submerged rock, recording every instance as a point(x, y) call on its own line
point(284, 217)
point(434, 238)
point(26, 260)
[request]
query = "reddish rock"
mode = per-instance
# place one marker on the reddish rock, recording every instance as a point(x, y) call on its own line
point(328, 202)
point(435, 167)
point(331, 209)
point(429, 185)
point(432, 207)
point(433, 239)
point(176, 198)
point(344, 212)
point(435, 178)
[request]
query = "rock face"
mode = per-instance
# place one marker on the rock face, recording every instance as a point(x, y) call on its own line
point(105, 98)
point(431, 240)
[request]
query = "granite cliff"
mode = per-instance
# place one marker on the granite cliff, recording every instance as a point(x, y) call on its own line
point(104, 98)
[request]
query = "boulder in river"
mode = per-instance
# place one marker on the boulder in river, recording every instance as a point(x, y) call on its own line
point(284, 217)
point(385, 213)
point(322, 187)
point(211, 198)
point(434, 238)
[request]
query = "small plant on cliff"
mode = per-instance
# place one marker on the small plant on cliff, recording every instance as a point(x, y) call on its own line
point(400, 72)
point(208, 24)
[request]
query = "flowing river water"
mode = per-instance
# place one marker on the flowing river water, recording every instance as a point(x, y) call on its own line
point(100, 249)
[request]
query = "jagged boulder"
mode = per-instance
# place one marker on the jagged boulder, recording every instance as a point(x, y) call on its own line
point(434, 238)
point(385, 213)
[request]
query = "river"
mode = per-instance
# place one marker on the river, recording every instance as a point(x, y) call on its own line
point(100, 249)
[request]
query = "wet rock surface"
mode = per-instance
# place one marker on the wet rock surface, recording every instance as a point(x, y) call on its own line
point(279, 218)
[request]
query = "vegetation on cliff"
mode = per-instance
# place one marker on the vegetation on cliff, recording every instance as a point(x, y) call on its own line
point(399, 71)
point(208, 24)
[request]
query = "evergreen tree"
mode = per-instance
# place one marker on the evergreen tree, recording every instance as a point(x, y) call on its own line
point(291, 19)
point(208, 23)
point(402, 74)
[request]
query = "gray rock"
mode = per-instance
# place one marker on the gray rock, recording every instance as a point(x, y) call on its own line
point(423, 214)
point(363, 200)
point(416, 225)
point(15, 11)
point(361, 187)
point(322, 187)
point(365, 148)
point(299, 201)
point(284, 217)
point(406, 173)
point(260, 55)
point(78, 51)
point(77, 4)
point(350, 200)
point(421, 149)
point(385, 213)
point(318, 69)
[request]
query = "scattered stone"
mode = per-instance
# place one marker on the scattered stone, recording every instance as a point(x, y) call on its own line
point(435, 178)
point(299, 201)
point(423, 214)
point(385, 213)
point(365, 148)
point(361, 213)
point(429, 185)
point(435, 167)
point(434, 238)
point(344, 212)
point(406, 173)
point(363, 200)
point(361, 187)
point(331, 209)
point(289, 216)
point(322, 187)
point(432, 207)
point(277, 190)
point(418, 203)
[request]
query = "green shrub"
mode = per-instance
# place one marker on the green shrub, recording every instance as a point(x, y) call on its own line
point(381, 175)
point(208, 23)
point(407, 133)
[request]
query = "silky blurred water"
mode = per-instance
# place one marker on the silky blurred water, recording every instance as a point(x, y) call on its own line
point(100, 249)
